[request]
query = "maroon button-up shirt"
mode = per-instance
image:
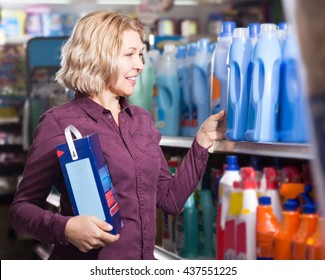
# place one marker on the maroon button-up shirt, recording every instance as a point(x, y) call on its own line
point(139, 171)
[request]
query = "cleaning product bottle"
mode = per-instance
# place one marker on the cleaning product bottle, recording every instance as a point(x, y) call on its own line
point(262, 122)
point(187, 230)
point(246, 222)
point(255, 162)
point(240, 54)
point(293, 106)
point(307, 226)
point(316, 243)
point(266, 227)
point(183, 75)
point(230, 175)
point(254, 30)
point(201, 84)
point(208, 221)
point(270, 187)
point(235, 208)
point(143, 91)
point(221, 69)
point(168, 96)
point(192, 51)
point(169, 221)
point(290, 220)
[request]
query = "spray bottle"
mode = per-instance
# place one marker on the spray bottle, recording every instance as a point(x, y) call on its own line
point(290, 220)
point(307, 226)
point(269, 187)
point(246, 222)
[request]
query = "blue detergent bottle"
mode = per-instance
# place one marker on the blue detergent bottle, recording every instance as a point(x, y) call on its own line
point(254, 30)
point(220, 69)
point(201, 84)
point(239, 83)
point(192, 50)
point(293, 111)
point(168, 93)
point(264, 95)
point(183, 75)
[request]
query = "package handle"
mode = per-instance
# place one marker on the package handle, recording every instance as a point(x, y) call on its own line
point(68, 132)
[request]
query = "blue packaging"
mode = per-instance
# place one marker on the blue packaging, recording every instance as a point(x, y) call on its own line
point(88, 179)
point(265, 85)
point(201, 84)
point(293, 111)
point(168, 95)
point(239, 83)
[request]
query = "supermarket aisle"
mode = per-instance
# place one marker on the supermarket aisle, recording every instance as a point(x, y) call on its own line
point(10, 247)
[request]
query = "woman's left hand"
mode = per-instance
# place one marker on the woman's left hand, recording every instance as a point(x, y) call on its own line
point(212, 130)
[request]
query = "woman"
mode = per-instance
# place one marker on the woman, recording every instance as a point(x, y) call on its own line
point(100, 62)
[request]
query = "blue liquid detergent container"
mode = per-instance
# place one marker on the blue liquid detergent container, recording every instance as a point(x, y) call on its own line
point(265, 85)
point(239, 83)
point(201, 83)
point(192, 50)
point(254, 30)
point(293, 115)
point(183, 75)
point(168, 96)
point(221, 69)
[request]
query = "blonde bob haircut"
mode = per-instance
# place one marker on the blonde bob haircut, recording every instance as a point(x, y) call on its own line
point(89, 57)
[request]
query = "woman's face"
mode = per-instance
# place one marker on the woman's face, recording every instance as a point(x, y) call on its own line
point(130, 63)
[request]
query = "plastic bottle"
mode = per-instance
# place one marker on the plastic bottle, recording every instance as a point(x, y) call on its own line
point(221, 69)
point(143, 90)
point(270, 187)
point(169, 221)
point(168, 98)
point(240, 54)
point(266, 227)
point(230, 175)
point(254, 30)
point(290, 221)
point(183, 74)
point(255, 162)
point(263, 117)
point(187, 230)
point(307, 227)
point(201, 84)
point(208, 220)
point(293, 110)
point(192, 50)
point(235, 208)
point(316, 243)
point(246, 222)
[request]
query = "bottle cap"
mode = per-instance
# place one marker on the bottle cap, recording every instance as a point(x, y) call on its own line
point(232, 164)
point(227, 28)
point(264, 200)
point(254, 29)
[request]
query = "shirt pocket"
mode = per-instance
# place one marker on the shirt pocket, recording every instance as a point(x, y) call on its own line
point(145, 143)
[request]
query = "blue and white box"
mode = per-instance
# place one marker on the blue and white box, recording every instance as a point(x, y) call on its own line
point(88, 179)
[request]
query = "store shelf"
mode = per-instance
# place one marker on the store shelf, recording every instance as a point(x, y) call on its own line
point(162, 254)
point(286, 150)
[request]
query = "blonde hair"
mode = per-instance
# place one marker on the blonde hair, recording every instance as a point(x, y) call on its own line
point(89, 57)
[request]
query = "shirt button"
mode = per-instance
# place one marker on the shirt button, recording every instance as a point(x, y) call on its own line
point(139, 179)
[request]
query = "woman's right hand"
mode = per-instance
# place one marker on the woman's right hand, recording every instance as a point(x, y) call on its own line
point(89, 232)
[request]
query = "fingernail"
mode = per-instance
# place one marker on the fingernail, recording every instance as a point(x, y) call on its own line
point(109, 227)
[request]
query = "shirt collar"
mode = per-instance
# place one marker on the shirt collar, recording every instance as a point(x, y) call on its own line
point(94, 110)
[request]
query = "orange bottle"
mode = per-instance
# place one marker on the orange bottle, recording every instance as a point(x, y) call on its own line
point(266, 227)
point(307, 227)
point(316, 243)
point(288, 227)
